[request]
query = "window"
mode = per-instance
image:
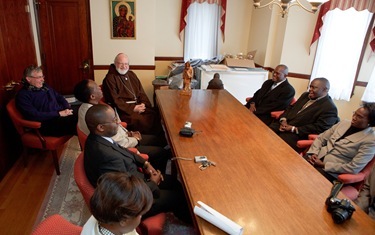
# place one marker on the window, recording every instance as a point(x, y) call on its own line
point(202, 32)
point(369, 94)
point(339, 49)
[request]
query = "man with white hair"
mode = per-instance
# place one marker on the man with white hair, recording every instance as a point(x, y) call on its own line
point(123, 90)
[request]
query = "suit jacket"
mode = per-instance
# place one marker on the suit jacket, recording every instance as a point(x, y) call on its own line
point(346, 155)
point(267, 100)
point(314, 119)
point(101, 156)
point(366, 197)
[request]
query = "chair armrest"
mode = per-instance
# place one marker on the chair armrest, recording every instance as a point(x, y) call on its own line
point(30, 124)
point(351, 178)
point(143, 155)
point(276, 114)
point(304, 143)
point(312, 136)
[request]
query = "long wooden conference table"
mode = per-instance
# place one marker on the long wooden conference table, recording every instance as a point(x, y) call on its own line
point(259, 182)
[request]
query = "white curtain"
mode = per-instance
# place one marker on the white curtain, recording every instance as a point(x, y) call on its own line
point(339, 49)
point(202, 31)
point(369, 94)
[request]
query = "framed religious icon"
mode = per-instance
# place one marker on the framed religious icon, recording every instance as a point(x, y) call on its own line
point(123, 19)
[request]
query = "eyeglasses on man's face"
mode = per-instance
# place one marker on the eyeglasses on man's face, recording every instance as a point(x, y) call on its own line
point(37, 77)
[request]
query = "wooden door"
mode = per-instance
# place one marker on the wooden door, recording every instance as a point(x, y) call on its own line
point(17, 51)
point(66, 50)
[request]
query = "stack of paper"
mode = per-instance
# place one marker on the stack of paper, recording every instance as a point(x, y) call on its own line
point(217, 219)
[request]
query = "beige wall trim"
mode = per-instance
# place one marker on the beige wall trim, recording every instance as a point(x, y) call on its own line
point(133, 67)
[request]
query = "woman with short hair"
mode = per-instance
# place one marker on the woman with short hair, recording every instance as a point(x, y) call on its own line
point(117, 205)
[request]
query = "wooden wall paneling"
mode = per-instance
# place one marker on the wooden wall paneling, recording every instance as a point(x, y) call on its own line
point(17, 51)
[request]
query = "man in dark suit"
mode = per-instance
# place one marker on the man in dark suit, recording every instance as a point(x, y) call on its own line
point(274, 95)
point(313, 113)
point(103, 155)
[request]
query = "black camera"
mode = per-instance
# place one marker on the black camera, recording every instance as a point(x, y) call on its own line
point(341, 209)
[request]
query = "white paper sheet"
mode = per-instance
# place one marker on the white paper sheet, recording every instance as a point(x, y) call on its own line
point(217, 219)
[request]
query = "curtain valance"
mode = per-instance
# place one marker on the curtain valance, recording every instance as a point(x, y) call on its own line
point(358, 5)
point(185, 5)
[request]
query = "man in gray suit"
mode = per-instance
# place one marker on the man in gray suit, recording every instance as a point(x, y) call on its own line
point(313, 113)
point(347, 147)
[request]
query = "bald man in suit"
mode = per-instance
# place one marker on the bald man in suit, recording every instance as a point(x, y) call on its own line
point(274, 95)
point(313, 113)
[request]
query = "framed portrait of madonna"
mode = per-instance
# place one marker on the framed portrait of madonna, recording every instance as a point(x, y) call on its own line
point(123, 19)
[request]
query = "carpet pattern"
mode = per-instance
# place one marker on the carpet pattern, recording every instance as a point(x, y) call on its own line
point(63, 196)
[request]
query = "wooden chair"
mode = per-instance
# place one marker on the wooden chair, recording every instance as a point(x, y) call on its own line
point(57, 225)
point(152, 225)
point(32, 138)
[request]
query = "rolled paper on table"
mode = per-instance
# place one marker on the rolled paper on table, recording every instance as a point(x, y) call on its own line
point(217, 219)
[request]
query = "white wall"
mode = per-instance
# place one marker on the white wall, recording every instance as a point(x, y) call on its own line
point(141, 51)
point(167, 18)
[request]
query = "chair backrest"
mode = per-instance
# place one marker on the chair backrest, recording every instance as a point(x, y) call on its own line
point(294, 100)
point(368, 168)
point(84, 185)
point(277, 114)
point(82, 137)
point(56, 224)
point(18, 120)
point(357, 178)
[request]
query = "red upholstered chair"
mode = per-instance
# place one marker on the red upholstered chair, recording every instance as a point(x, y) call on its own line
point(277, 114)
point(152, 225)
point(305, 144)
point(81, 138)
point(80, 177)
point(354, 182)
point(56, 225)
point(31, 137)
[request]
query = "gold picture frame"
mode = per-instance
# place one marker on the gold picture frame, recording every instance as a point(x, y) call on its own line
point(123, 19)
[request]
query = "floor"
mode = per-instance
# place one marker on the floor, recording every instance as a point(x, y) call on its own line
point(22, 192)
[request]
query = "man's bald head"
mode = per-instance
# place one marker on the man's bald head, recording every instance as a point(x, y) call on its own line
point(96, 115)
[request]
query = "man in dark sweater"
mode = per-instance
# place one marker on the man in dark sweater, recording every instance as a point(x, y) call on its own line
point(39, 102)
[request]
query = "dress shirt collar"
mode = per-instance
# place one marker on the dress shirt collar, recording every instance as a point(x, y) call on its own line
point(108, 139)
point(277, 84)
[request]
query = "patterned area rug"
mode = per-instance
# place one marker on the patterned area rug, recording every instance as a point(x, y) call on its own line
point(63, 196)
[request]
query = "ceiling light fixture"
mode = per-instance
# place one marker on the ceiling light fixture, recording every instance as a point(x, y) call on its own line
point(286, 4)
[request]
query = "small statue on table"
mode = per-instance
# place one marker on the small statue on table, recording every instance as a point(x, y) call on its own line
point(187, 76)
